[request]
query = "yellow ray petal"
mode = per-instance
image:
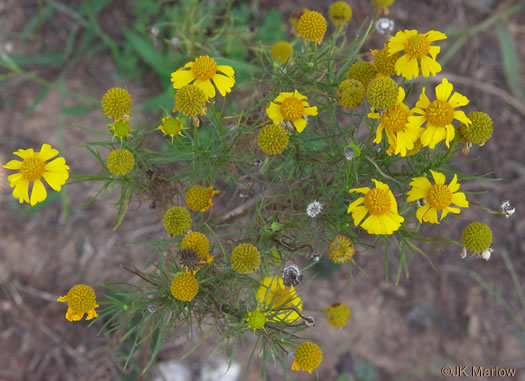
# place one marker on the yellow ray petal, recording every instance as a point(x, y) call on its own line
point(224, 84)
point(434, 35)
point(459, 199)
point(228, 70)
point(429, 66)
point(439, 178)
point(274, 113)
point(443, 90)
point(21, 191)
point(460, 115)
point(454, 186)
point(181, 78)
point(13, 164)
point(38, 193)
point(57, 165)
point(354, 204)
point(423, 100)
point(364, 190)
point(358, 214)
point(431, 216)
point(24, 153)
point(458, 100)
point(420, 213)
point(310, 111)
point(55, 179)
point(46, 152)
point(299, 124)
point(206, 86)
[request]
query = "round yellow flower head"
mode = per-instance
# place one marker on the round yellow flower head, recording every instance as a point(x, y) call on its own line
point(184, 287)
point(363, 72)
point(292, 107)
point(312, 26)
point(171, 126)
point(80, 300)
point(340, 13)
point(273, 139)
point(245, 258)
point(33, 169)
point(479, 131)
point(198, 243)
point(177, 221)
point(338, 315)
point(308, 356)
point(382, 93)
point(116, 103)
point(120, 162)
point(256, 319)
point(199, 198)
point(282, 51)
point(351, 93)
point(340, 249)
point(121, 128)
point(384, 62)
point(190, 101)
point(477, 237)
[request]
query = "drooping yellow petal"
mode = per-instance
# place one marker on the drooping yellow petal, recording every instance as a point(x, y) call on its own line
point(21, 191)
point(431, 216)
point(429, 66)
point(299, 124)
point(38, 193)
point(181, 78)
point(15, 178)
point(451, 132)
point(206, 86)
point(224, 84)
point(460, 115)
point(364, 190)
point(358, 214)
point(228, 70)
point(355, 203)
point(420, 213)
point(274, 113)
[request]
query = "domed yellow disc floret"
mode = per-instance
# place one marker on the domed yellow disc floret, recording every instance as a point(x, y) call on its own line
point(199, 198)
point(177, 221)
point(245, 258)
point(382, 93)
point(198, 243)
point(256, 319)
point(308, 356)
point(190, 100)
point(351, 93)
point(282, 51)
point(338, 315)
point(477, 237)
point(171, 126)
point(116, 103)
point(479, 131)
point(80, 300)
point(340, 13)
point(184, 287)
point(312, 26)
point(363, 72)
point(204, 68)
point(340, 249)
point(121, 128)
point(120, 162)
point(273, 139)
point(384, 62)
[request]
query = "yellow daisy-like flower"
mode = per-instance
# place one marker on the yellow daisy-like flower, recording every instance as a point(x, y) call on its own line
point(382, 5)
point(184, 287)
point(384, 62)
point(199, 198)
point(437, 197)
point(256, 319)
point(199, 243)
point(245, 258)
point(350, 93)
point(417, 48)
point(308, 356)
point(120, 162)
point(292, 107)
point(33, 169)
point(338, 315)
point(177, 221)
point(80, 300)
point(272, 294)
point(312, 26)
point(121, 128)
point(363, 72)
point(340, 13)
point(204, 70)
point(273, 139)
point(171, 126)
point(116, 103)
point(382, 206)
point(401, 135)
point(190, 101)
point(439, 114)
point(340, 249)
point(282, 51)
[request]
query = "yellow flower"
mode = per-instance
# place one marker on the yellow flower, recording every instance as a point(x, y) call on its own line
point(198, 243)
point(363, 72)
point(273, 295)
point(177, 221)
point(245, 258)
point(312, 26)
point(116, 103)
point(282, 51)
point(199, 198)
point(32, 169)
point(382, 5)
point(437, 197)
point(384, 62)
point(256, 319)
point(120, 162)
point(340, 249)
point(350, 93)
point(382, 206)
point(338, 315)
point(121, 128)
point(308, 356)
point(416, 47)
point(292, 107)
point(184, 287)
point(439, 114)
point(273, 139)
point(401, 136)
point(340, 13)
point(479, 131)
point(382, 93)
point(477, 237)
point(80, 300)
point(203, 70)
point(190, 101)
point(171, 126)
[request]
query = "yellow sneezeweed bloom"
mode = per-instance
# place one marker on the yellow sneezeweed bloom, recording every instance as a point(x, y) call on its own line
point(203, 70)
point(292, 107)
point(176, 221)
point(272, 294)
point(308, 356)
point(184, 287)
point(245, 258)
point(339, 13)
point(340, 249)
point(437, 197)
point(384, 62)
point(338, 315)
point(416, 47)
point(477, 238)
point(479, 131)
point(382, 206)
point(401, 135)
point(80, 300)
point(120, 128)
point(199, 198)
point(116, 103)
point(382, 92)
point(171, 126)
point(256, 319)
point(363, 72)
point(382, 5)
point(199, 243)
point(190, 101)
point(33, 169)
point(439, 114)
point(272, 139)
point(350, 93)
point(120, 162)
point(312, 26)
point(282, 51)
